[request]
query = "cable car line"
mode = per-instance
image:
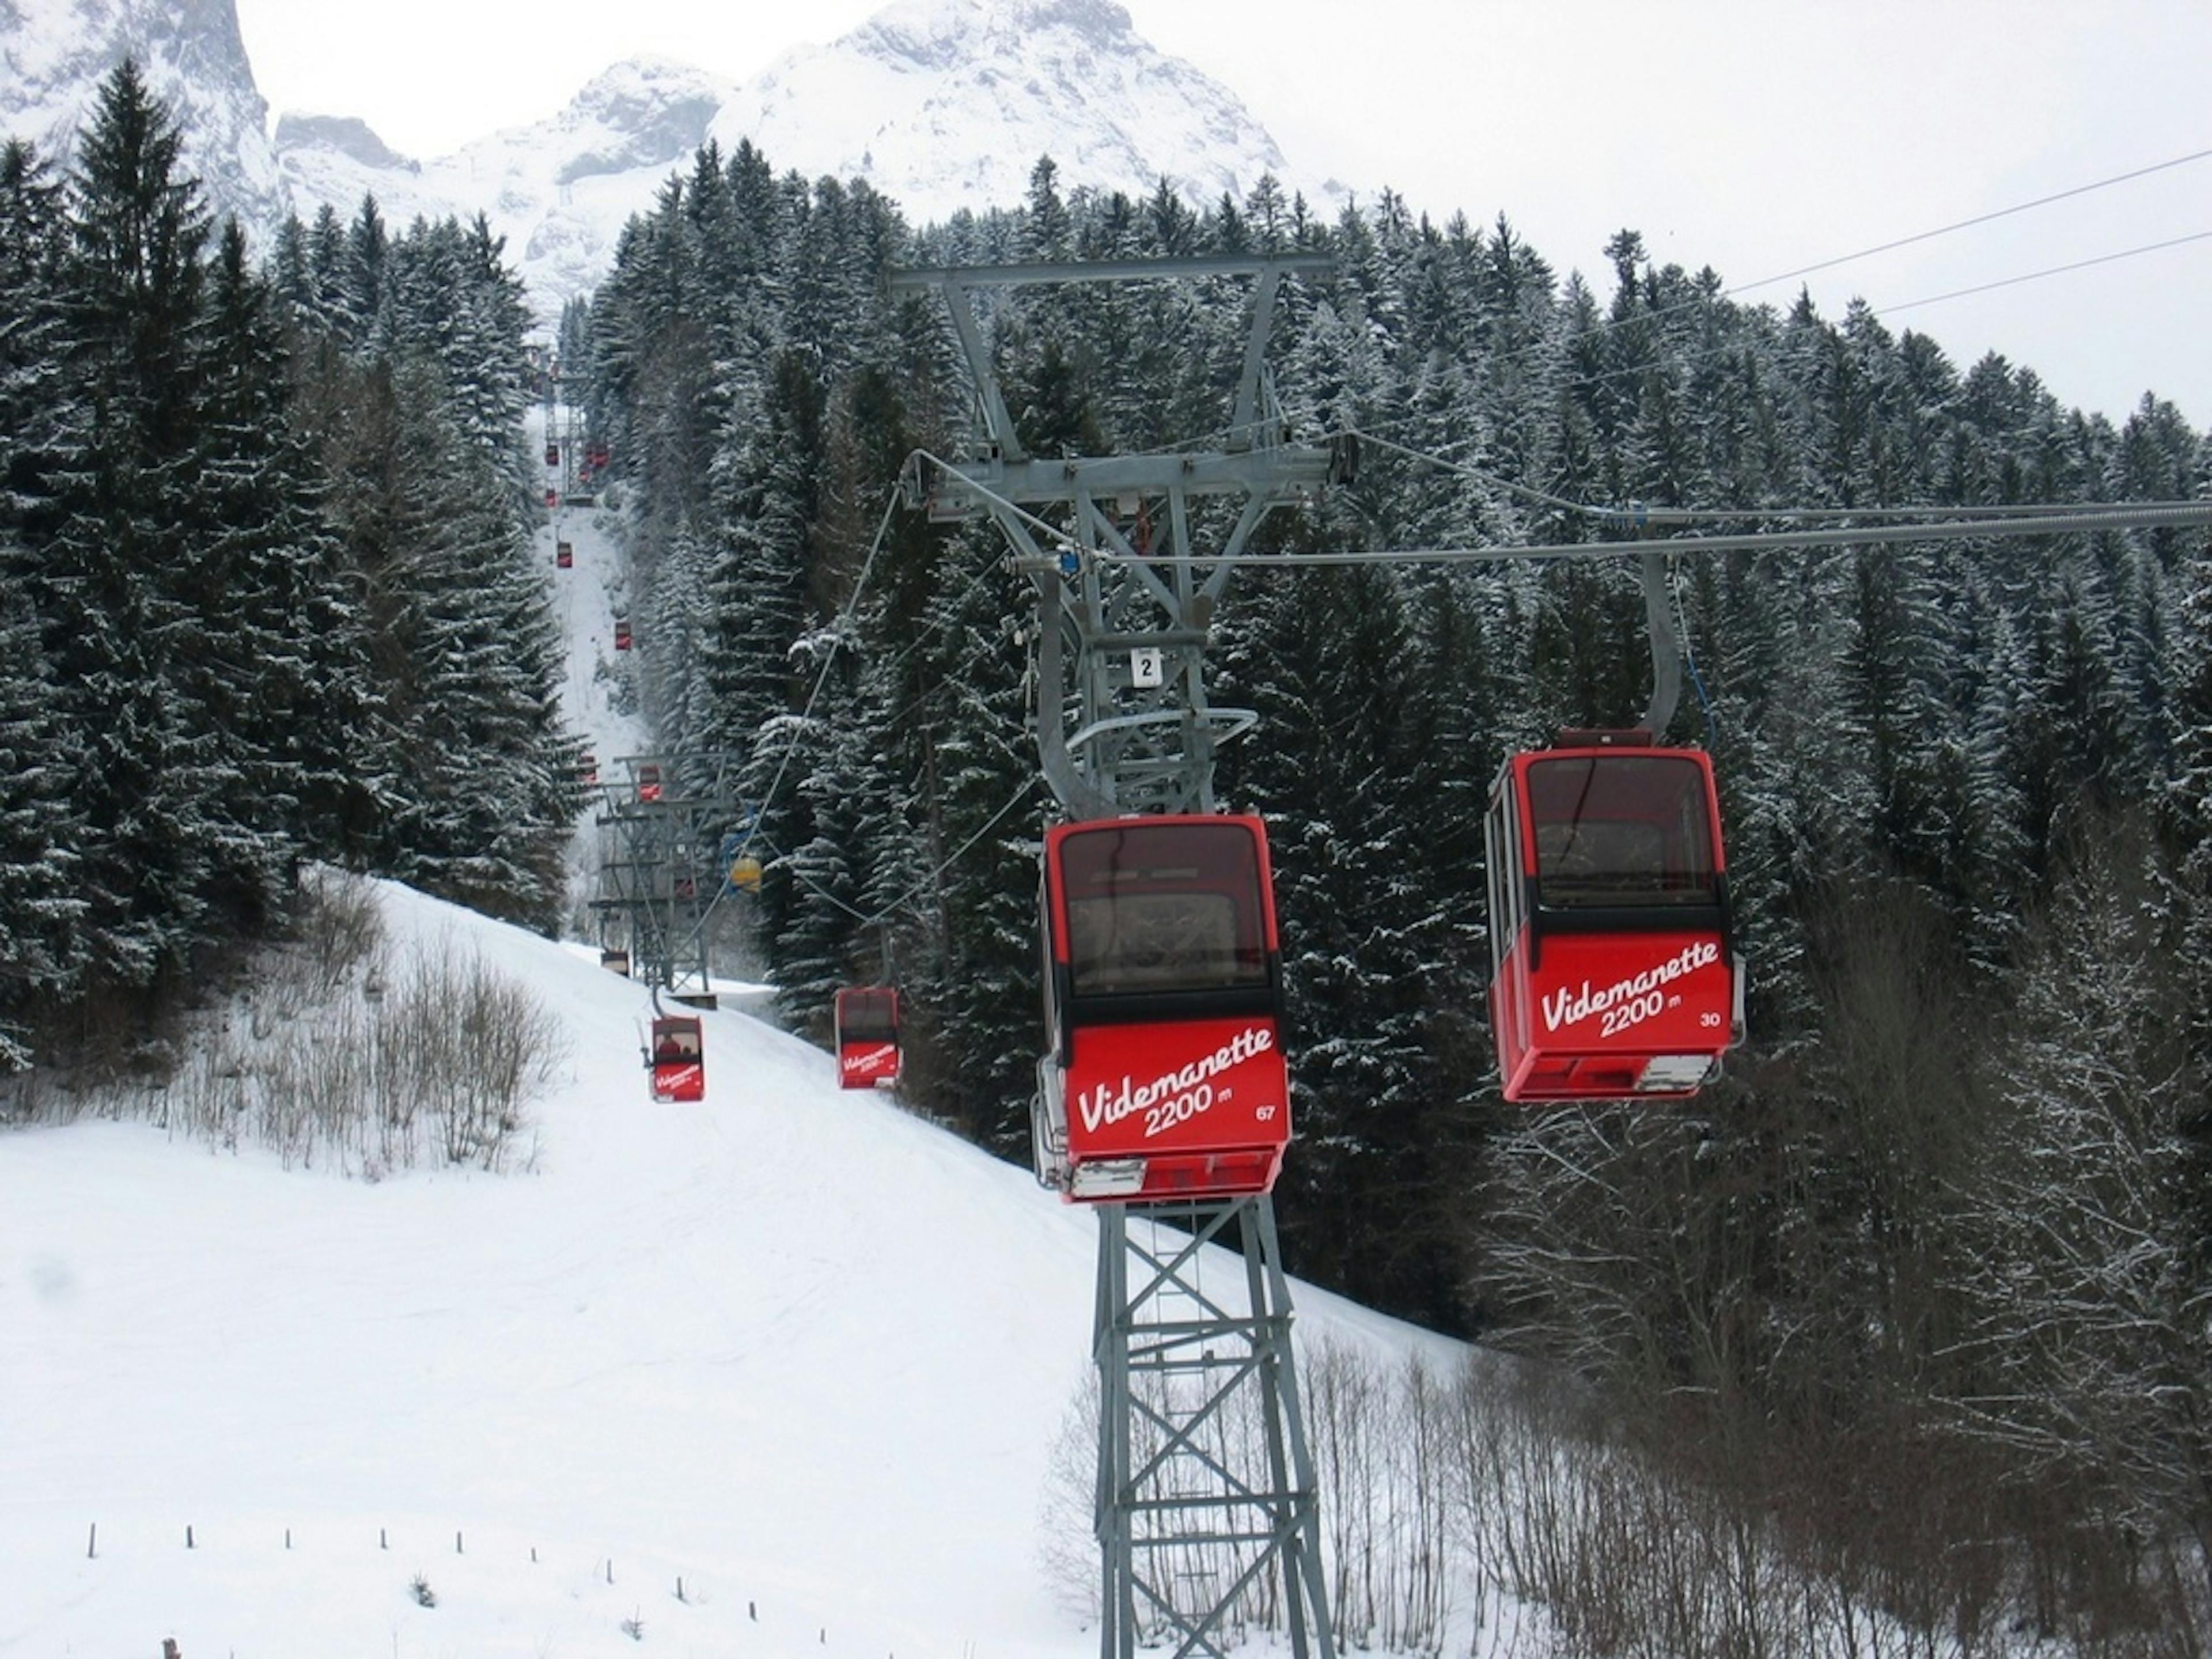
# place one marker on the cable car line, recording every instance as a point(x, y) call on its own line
point(755, 831)
point(829, 661)
point(1966, 224)
point(2053, 524)
point(1639, 514)
point(1936, 523)
point(2054, 270)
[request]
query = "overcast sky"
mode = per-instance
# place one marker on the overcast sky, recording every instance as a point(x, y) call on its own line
point(1758, 137)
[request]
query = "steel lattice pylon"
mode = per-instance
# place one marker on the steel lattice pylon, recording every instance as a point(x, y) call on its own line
point(1204, 1478)
point(664, 827)
point(1206, 1515)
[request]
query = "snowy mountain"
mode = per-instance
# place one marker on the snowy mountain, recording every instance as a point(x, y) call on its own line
point(55, 53)
point(559, 192)
point(940, 104)
point(947, 104)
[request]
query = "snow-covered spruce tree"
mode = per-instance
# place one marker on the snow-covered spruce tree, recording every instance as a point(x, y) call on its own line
point(764, 503)
point(486, 774)
point(290, 694)
point(41, 946)
point(982, 805)
point(812, 952)
point(166, 861)
point(1328, 659)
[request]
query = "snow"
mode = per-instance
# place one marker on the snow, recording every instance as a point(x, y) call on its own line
point(948, 104)
point(940, 105)
point(789, 1346)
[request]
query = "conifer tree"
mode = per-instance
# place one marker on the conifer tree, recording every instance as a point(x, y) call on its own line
point(290, 692)
point(111, 541)
point(41, 917)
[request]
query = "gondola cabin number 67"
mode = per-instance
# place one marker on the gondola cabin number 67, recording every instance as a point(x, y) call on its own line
point(1163, 1005)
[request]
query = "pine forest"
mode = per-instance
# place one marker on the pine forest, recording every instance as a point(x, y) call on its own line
point(1928, 1274)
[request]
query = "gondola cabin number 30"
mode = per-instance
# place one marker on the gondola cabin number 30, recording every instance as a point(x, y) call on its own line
point(1614, 972)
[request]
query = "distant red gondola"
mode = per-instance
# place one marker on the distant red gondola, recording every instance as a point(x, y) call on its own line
point(1615, 975)
point(553, 454)
point(552, 498)
point(648, 781)
point(564, 555)
point(867, 1036)
point(1163, 997)
point(622, 634)
point(679, 1067)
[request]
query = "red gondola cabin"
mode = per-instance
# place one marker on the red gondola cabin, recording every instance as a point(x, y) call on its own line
point(868, 1032)
point(1615, 975)
point(648, 781)
point(553, 453)
point(1164, 994)
point(564, 555)
point(552, 498)
point(622, 633)
point(679, 1067)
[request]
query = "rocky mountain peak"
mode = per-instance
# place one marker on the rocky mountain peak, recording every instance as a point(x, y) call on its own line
point(944, 105)
point(55, 53)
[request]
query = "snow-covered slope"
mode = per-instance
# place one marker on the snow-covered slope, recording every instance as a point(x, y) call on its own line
point(55, 53)
point(790, 1345)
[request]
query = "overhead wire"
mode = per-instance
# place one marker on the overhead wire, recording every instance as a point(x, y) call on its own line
point(974, 575)
point(1640, 515)
point(2053, 270)
point(1610, 324)
point(2183, 515)
point(1969, 223)
point(829, 661)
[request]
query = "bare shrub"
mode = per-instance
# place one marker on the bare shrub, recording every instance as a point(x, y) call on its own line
point(330, 1052)
point(470, 1047)
point(1068, 1545)
point(338, 929)
point(1379, 1436)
